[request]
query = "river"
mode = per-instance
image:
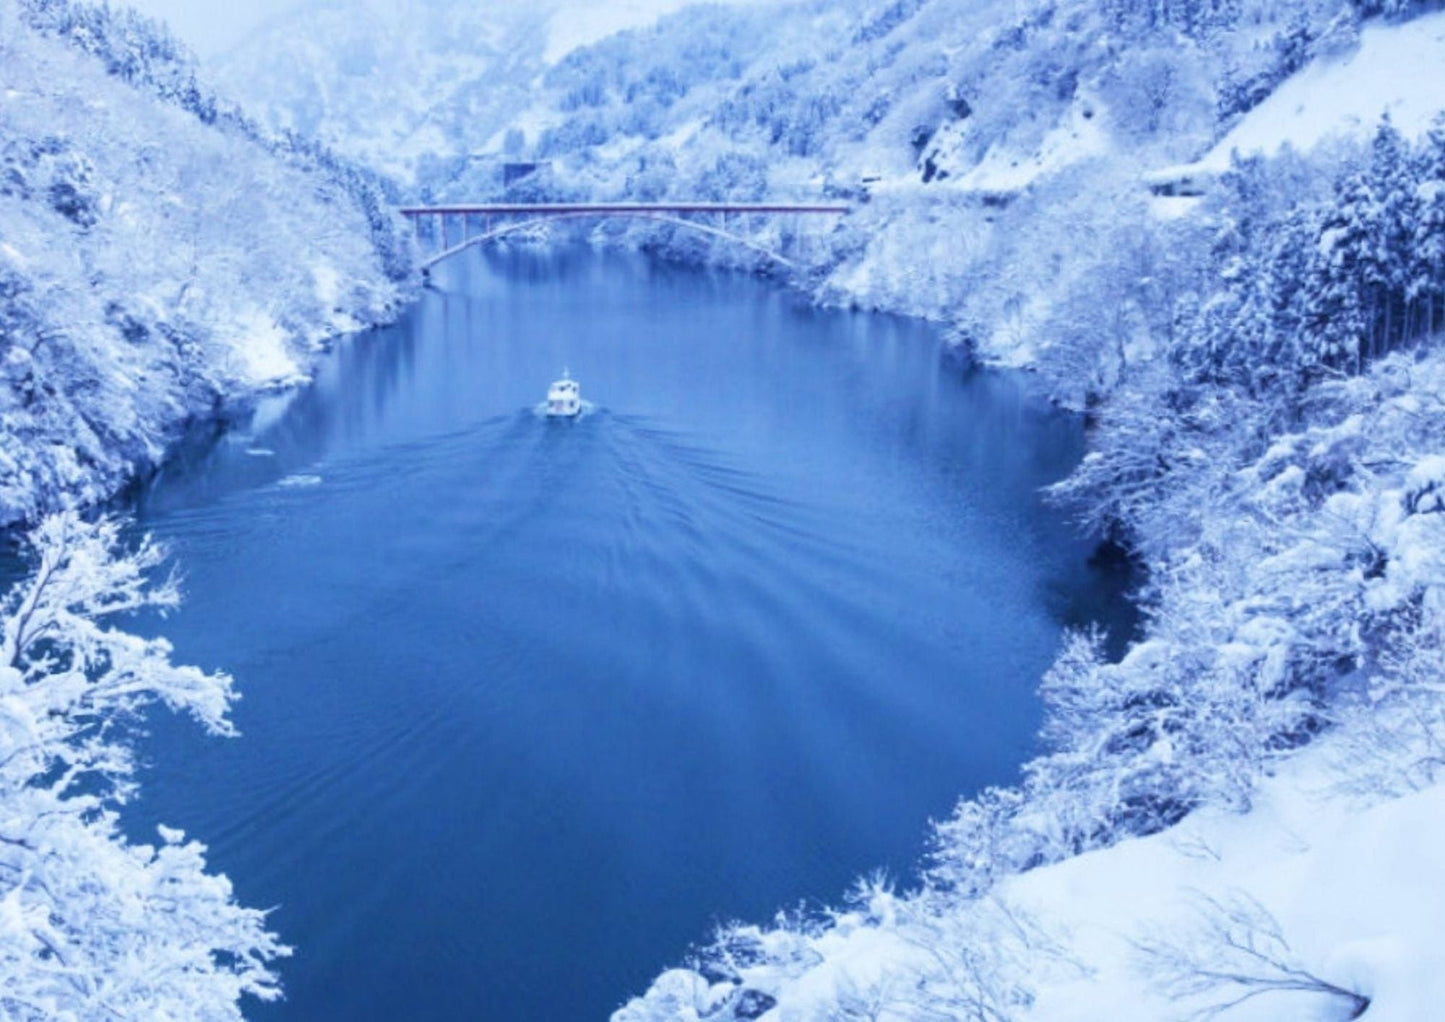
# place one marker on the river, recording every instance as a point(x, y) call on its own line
point(529, 705)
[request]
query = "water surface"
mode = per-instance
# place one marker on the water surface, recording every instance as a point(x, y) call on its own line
point(529, 705)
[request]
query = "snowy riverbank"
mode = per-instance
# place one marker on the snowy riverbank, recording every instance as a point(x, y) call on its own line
point(1306, 908)
point(157, 258)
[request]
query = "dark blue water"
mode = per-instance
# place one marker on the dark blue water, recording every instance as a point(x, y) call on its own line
point(529, 705)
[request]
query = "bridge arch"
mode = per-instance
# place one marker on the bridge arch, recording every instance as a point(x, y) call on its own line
point(543, 218)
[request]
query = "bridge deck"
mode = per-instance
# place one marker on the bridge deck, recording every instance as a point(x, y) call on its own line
point(527, 214)
point(603, 208)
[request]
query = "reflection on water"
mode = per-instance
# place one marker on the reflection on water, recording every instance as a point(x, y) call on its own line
point(529, 704)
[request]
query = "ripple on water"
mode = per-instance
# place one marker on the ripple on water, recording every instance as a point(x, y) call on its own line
point(521, 693)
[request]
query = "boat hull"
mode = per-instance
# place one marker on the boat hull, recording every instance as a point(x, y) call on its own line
point(564, 398)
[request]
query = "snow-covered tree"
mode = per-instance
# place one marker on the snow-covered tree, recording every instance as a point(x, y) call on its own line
point(92, 925)
point(1393, 181)
point(979, 844)
point(1338, 318)
point(1389, 8)
point(1425, 287)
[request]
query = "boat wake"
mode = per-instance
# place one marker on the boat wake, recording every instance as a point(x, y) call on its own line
point(586, 408)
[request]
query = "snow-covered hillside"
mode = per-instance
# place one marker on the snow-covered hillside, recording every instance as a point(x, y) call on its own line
point(155, 256)
point(1395, 70)
point(992, 150)
point(1308, 909)
point(952, 126)
point(416, 87)
point(1303, 885)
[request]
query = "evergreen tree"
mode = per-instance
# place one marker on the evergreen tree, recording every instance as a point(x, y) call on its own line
point(1426, 285)
point(1287, 276)
point(1394, 9)
point(1235, 322)
point(1393, 183)
point(1336, 319)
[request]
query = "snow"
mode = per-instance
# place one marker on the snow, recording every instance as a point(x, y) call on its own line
point(263, 358)
point(1398, 69)
point(367, 77)
point(170, 835)
point(571, 29)
point(141, 931)
point(1353, 889)
point(576, 25)
point(191, 264)
point(1004, 169)
point(12, 255)
point(1173, 207)
point(1354, 892)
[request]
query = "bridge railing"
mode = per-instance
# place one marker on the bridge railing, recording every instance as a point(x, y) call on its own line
point(516, 215)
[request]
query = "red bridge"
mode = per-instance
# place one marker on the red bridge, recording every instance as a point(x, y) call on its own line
point(499, 219)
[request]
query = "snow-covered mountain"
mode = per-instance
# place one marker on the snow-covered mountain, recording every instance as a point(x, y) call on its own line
point(412, 85)
point(157, 254)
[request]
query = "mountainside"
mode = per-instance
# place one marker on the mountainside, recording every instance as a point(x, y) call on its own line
point(157, 254)
point(980, 142)
point(413, 86)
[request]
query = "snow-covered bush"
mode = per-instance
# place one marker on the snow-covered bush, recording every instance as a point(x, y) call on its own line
point(91, 924)
point(1237, 953)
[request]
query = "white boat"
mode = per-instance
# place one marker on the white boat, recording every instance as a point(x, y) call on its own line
point(564, 397)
